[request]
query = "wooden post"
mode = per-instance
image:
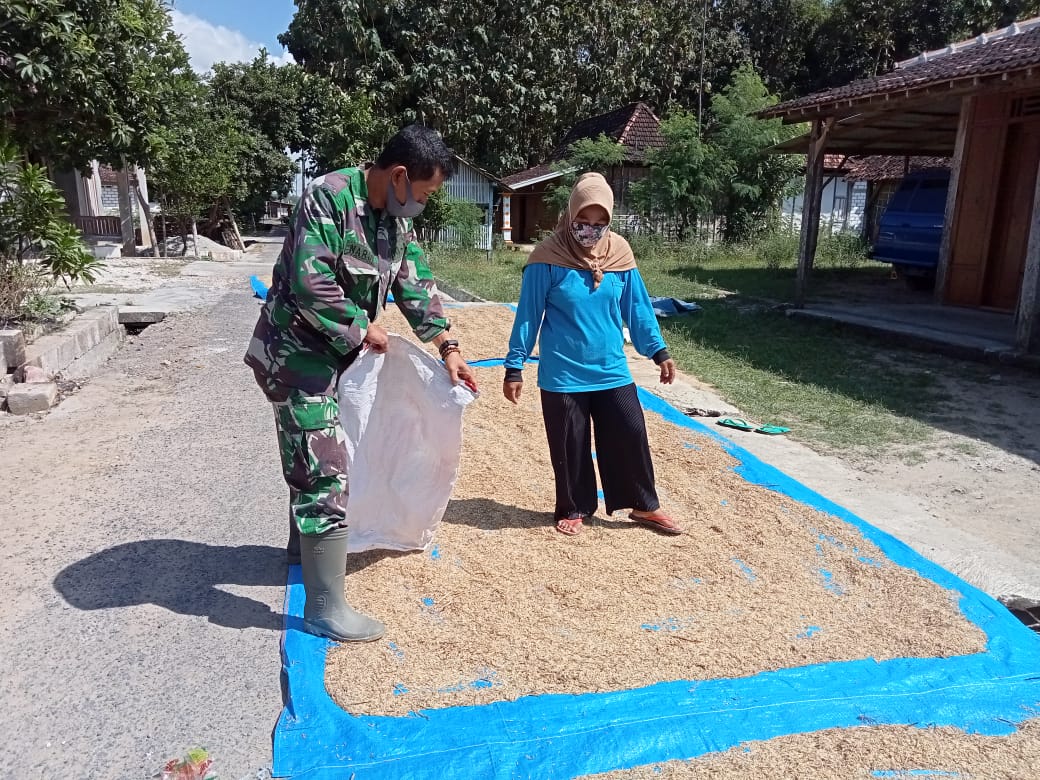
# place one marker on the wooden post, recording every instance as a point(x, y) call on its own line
point(1027, 319)
point(126, 212)
point(811, 206)
point(942, 268)
point(507, 226)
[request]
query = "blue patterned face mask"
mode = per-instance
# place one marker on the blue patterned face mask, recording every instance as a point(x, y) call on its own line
point(588, 235)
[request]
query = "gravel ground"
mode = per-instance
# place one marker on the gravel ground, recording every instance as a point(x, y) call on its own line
point(142, 566)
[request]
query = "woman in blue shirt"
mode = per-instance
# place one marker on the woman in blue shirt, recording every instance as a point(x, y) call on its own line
point(580, 287)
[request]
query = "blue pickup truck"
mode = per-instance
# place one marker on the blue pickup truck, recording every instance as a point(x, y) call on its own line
point(911, 227)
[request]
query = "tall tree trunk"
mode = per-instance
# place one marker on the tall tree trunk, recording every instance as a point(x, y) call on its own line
point(163, 248)
point(195, 237)
point(147, 225)
point(234, 226)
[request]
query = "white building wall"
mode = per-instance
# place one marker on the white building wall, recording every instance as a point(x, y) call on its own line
point(842, 207)
point(472, 185)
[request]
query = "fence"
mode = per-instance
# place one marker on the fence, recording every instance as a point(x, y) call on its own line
point(452, 237)
point(98, 226)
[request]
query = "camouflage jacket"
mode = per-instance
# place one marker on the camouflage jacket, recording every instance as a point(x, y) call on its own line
point(340, 261)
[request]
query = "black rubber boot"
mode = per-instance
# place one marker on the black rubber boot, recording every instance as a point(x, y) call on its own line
point(292, 547)
point(326, 612)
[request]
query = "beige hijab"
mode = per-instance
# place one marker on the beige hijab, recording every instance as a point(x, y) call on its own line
point(612, 253)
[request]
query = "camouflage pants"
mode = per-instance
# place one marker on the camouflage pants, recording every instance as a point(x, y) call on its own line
point(314, 461)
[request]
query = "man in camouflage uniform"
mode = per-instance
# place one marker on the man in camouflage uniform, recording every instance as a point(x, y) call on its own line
point(351, 244)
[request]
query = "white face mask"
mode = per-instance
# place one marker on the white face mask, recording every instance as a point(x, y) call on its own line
point(410, 208)
point(588, 235)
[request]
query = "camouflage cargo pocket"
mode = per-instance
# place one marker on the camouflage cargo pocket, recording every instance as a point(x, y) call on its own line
point(314, 454)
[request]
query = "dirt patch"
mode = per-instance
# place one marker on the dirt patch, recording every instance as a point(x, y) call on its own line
point(504, 606)
point(867, 752)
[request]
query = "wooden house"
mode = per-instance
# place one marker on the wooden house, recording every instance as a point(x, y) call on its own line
point(524, 212)
point(976, 102)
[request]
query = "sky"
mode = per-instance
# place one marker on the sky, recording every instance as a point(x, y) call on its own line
point(231, 30)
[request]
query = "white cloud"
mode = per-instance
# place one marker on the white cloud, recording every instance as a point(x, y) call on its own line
point(207, 43)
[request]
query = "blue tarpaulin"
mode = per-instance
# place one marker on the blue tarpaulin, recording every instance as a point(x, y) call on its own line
point(554, 736)
point(673, 307)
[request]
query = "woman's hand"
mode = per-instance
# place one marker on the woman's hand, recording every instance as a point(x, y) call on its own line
point(668, 372)
point(460, 371)
point(512, 390)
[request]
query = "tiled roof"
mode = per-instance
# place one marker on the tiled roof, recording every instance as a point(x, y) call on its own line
point(881, 168)
point(1014, 49)
point(834, 162)
point(634, 125)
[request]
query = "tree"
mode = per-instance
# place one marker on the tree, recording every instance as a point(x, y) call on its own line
point(88, 80)
point(756, 181)
point(284, 109)
point(600, 155)
point(779, 37)
point(863, 38)
point(445, 213)
point(199, 164)
point(721, 169)
point(502, 81)
point(684, 177)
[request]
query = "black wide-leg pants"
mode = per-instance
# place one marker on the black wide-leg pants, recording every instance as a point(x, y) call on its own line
point(622, 451)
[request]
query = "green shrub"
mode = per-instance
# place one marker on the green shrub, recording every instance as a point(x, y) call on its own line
point(37, 240)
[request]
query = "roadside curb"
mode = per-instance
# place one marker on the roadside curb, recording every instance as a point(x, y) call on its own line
point(458, 293)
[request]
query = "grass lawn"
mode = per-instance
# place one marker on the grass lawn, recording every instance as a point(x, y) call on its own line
point(837, 389)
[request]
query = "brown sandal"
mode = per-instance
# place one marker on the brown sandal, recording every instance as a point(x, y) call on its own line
point(658, 521)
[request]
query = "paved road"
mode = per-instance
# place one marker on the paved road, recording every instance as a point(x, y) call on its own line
point(142, 568)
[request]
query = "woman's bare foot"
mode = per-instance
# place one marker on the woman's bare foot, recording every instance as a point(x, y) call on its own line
point(657, 520)
point(570, 526)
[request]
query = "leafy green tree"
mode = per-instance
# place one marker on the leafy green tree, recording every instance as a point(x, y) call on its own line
point(200, 161)
point(283, 109)
point(685, 176)
point(778, 36)
point(756, 181)
point(502, 81)
point(601, 155)
point(863, 38)
point(89, 79)
point(445, 213)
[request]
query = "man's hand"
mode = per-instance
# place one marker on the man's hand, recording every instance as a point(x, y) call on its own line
point(376, 338)
point(459, 371)
point(667, 372)
point(512, 390)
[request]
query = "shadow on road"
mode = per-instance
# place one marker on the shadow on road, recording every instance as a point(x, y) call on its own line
point(181, 576)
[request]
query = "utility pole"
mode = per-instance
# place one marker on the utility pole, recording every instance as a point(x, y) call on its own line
point(700, 88)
